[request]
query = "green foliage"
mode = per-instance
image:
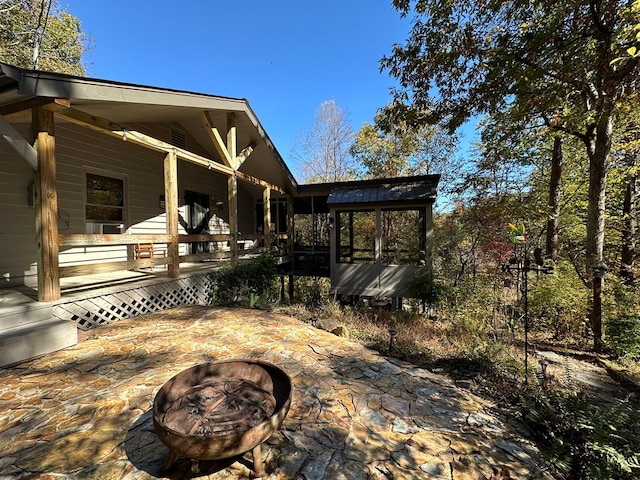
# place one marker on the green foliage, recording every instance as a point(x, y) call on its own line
point(623, 337)
point(40, 35)
point(394, 150)
point(582, 439)
point(558, 301)
point(426, 288)
point(311, 291)
point(244, 283)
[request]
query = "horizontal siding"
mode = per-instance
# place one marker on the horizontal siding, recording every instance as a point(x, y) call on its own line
point(17, 230)
point(79, 150)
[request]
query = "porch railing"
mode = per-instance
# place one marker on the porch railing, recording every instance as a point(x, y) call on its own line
point(218, 246)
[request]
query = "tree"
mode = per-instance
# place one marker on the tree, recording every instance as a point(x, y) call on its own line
point(396, 151)
point(564, 62)
point(39, 35)
point(570, 63)
point(323, 153)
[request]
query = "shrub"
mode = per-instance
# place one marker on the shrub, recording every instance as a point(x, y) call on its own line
point(623, 337)
point(585, 440)
point(311, 291)
point(427, 289)
point(558, 302)
point(244, 283)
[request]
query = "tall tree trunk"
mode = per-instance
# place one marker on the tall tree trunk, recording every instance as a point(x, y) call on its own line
point(629, 232)
point(598, 159)
point(554, 199)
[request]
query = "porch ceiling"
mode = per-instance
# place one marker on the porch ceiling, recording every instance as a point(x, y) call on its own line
point(128, 104)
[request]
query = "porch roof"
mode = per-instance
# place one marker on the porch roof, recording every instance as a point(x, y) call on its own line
point(420, 189)
point(126, 103)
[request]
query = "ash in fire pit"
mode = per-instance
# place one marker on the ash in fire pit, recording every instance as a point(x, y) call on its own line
point(222, 409)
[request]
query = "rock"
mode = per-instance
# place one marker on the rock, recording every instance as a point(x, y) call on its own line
point(331, 326)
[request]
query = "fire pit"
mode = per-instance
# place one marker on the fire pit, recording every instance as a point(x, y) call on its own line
point(222, 409)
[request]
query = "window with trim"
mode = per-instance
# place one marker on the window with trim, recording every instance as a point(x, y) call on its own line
point(105, 200)
point(356, 240)
point(403, 236)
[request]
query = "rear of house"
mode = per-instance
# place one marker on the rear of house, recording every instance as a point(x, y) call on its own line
point(139, 183)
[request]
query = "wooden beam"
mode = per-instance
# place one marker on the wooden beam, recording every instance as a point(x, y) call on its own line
point(256, 181)
point(46, 207)
point(115, 130)
point(232, 138)
point(216, 139)
point(106, 267)
point(89, 240)
point(244, 154)
point(171, 208)
point(28, 105)
point(19, 144)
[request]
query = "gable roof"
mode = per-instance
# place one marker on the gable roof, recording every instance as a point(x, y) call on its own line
point(124, 103)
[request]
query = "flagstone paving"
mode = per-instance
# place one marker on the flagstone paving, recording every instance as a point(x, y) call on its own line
point(85, 411)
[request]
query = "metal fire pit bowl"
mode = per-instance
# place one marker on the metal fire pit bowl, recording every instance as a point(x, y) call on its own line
point(196, 435)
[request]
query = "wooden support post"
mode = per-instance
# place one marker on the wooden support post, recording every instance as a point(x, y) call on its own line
point(171, 209)
point(232, 142)
point(290, 231)
point(266, 202)
point(232, 185)
point(46, 207)
point(232, 188)
point(428, 236)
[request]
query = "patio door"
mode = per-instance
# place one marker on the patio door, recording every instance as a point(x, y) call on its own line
point(198, 215)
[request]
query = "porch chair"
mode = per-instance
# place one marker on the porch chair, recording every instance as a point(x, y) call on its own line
point(148, 250)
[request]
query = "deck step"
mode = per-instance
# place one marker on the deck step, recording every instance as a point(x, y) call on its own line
point(18, 309)
point(23, 343)
point(29, 329)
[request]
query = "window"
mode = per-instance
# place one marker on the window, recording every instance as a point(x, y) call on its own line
point(356, 236)
point(311, 223)
point(403, 238)
point(105, 199)
point(278, 216)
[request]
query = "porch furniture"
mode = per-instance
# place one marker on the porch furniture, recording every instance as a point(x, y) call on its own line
point(148, 250)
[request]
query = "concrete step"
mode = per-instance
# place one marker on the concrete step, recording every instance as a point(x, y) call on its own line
point(18, 309)
point(29, 329)
point(25, 342)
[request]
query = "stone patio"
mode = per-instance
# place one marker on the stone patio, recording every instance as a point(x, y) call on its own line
point(85, 411)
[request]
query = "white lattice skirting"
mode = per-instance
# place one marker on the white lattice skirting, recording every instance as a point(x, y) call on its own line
point(93, 311)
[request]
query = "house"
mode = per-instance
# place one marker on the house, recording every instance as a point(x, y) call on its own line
point(118, 198)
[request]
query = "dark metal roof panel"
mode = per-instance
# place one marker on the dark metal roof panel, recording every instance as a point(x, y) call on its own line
point(396, 193)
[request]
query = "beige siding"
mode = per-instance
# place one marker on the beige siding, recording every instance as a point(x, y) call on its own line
point(17, 231)
point(80, 150)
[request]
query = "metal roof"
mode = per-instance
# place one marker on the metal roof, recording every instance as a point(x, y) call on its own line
point(408, 191)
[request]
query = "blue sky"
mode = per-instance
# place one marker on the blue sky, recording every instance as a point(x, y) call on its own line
point(285, 57)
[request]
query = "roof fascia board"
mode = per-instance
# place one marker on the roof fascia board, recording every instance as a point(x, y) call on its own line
point(261, 131)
